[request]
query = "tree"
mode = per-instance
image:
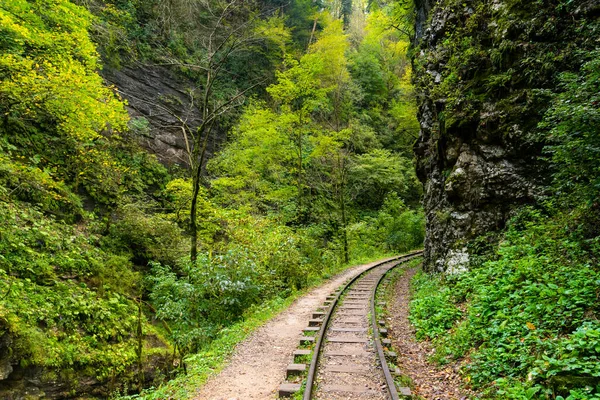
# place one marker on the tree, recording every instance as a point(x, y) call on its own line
point(330, 177)
point(55, 108)
point(375, 174)
point(233, 28)
point(573, 122)
point(256, 167)
point(381, 69)
point(313, 87)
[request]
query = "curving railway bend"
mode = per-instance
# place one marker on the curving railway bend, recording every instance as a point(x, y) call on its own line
point(346, 345)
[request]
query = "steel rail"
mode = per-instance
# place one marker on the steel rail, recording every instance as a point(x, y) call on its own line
point(314, 363)
point(389, 379)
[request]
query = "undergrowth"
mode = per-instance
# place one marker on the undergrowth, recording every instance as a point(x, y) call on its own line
point(211, 359)
point(524, 319)
point(67, 305)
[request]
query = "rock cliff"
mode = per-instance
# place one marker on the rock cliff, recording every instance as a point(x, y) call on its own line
point(161, 104)
point(22, 381)
point(483, 72)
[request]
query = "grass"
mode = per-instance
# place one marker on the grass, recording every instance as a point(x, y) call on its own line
point(211, 360)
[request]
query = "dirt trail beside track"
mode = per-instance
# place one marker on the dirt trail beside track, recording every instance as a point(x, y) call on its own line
point(258, 365)
point(430, 382)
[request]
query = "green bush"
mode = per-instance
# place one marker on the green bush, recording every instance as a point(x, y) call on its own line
point(531, 311)
point(432, 312)
point(209, 296)
point(25, 181)
point(67, 304)
point(144, 235)
point(573, 122)
point(395, 228)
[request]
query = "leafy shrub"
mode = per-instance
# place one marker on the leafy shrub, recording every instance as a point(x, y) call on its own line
point(574, 125)
point(32, 184)
point(210, 295)
point(432, 312)
point(144, 235)
point(571, 361)
point(532, 311)
point(395, 228)
point(66, 303)
point(56, 109)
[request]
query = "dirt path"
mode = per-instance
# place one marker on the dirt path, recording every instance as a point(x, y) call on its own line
point(430, 382)
point(258, 364)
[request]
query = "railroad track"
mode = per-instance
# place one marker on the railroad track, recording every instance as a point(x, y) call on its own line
point(346, 343)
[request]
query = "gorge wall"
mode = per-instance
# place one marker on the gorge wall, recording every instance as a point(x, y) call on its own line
point(484, 70)
point(162, 105)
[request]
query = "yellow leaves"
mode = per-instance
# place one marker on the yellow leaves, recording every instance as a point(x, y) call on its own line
point(530, 326)
point(274, 30)
point(12, 27)
point(320, 71)
point(331, 47)
point(58, 87)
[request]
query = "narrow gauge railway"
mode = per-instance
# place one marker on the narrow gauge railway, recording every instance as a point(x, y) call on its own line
point(348, 358)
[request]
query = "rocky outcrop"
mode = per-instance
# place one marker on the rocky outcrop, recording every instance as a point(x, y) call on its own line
point(6, 367)
point(161, 105)
point(25, 381)
point(483, 69)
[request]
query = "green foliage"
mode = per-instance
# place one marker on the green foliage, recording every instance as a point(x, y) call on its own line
point(90, 224)
point(211, 295)
point(574, 124)
point(257, 167)
point(27, 182)
point(381, 69)
point(39, 248)
point(66, 303)
point(574, 358)
point(394, 228)
point(311, 159)
point(144, 236)
point(55, 107)
point(210, 360)
point(305, 84)
point(432, 312)
point(531, 311)
point(375, 174)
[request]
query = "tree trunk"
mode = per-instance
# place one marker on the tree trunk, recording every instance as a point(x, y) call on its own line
point(196, 181)
point(300, 166)
point(344, 223)
point(312, 32)
point(342, 200)
point(140, 347)
point(193, 214)
point(299, 177)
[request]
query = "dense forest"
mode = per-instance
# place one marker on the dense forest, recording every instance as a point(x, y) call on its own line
point(173, 173)
point(115, 266)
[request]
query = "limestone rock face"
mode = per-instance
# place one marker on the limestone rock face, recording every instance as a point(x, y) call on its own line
point(162, 104)
point(5, 351)
point(483, 69)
